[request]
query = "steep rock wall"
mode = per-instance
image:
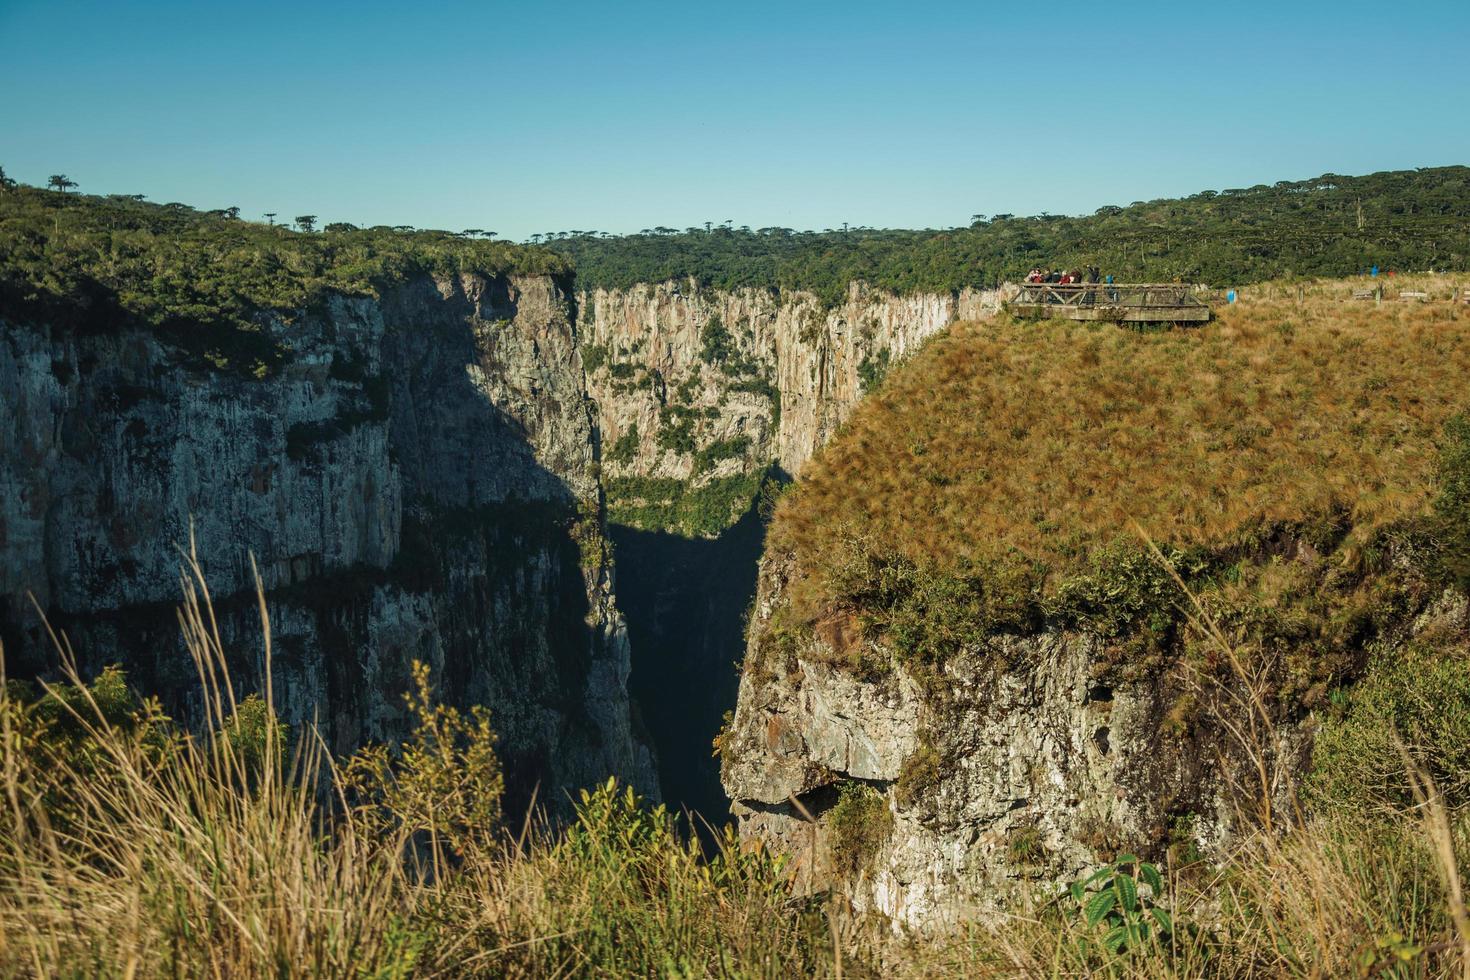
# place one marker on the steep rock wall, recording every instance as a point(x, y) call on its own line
point(776, 368)
point(1008, 778)
point(698, 393)
point(416, 482)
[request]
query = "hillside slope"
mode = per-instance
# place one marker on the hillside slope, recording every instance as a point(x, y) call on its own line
point(956, 613)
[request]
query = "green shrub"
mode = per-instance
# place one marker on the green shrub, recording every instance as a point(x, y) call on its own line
point(444, 782)
point(667, 504)
point(594, 356)
point(626, 446)
point(716, 344)
point(927, 616)
point(677, 425)
point(873, 370)
point(56, 729)
point(255, 738)
point(706, 458)
point(860, 824)
point(684, 394)
point(1123, 588)
point(1423, 696)
point(1114, 917)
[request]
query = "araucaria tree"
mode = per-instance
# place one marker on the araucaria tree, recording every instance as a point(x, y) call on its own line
point(306, 222)
point(60, 182)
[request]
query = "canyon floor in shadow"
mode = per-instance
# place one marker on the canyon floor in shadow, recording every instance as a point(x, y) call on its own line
point(685, 600)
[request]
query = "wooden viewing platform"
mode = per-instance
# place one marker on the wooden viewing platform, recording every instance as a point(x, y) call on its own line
point(1110, 302)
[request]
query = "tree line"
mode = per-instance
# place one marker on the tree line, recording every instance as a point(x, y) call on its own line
point(1329, 225)
point(204, 276)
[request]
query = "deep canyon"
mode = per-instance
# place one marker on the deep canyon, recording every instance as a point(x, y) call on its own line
point(558, 498)
point(423, 480)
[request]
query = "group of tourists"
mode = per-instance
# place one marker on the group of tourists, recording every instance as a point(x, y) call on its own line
point(1072, 276)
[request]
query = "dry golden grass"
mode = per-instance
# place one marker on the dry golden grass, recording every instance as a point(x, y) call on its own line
point(206, 862)
point(1040, 441)
point(125, 855)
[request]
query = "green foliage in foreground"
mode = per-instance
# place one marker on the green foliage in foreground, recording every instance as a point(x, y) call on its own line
point(443, 782)
point(1121, 908)
point(668, 504)
point(205, 855)
point(1422, 696)
point(176, 857)
point(1326, 226)
point(203, 279)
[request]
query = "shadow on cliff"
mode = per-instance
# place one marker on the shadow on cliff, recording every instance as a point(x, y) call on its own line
point(486, 585)
point(685, 602)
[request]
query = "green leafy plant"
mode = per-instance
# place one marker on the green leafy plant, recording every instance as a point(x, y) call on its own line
point(1422, 694)
point(1114, 915)
point(594, 356)
point(258, 740)
point(1387, 955)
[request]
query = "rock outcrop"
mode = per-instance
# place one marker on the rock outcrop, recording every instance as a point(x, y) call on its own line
point(995, 779)
point(416, 481)
point(700, 394)
point(776, 371)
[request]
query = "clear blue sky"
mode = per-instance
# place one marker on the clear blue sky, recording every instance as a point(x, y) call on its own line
point(536, 116)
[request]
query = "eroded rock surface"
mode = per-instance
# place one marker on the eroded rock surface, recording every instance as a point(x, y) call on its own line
point(778, 369)
point(698, 393)
point(1016, 768)
point(417, 481)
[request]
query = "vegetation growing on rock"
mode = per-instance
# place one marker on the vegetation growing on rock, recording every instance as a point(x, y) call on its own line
point(106, 262)
point(668, 504)
point(860, 823)
point(1280, 456)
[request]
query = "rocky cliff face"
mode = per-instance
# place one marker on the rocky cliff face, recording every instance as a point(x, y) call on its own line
point(677, 371)
point(699, 395)
point(417, 481)
point(997, 779)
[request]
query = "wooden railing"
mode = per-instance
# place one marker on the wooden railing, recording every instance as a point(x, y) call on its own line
point(1132, 295)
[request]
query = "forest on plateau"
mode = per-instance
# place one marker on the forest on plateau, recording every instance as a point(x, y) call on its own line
point(1326, 226)
point(91, 260)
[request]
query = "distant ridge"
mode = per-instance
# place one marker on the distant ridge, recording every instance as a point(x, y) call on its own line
point(1330, 225)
